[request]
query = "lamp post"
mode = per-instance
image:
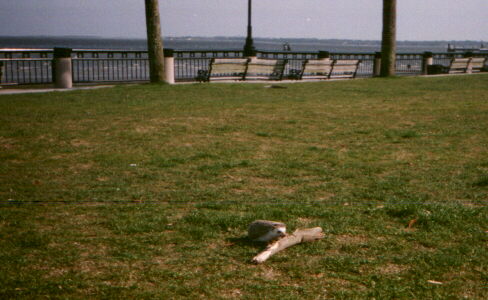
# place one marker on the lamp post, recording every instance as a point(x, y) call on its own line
point(249, 49)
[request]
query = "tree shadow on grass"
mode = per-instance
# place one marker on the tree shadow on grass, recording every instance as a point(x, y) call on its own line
point(244, 242)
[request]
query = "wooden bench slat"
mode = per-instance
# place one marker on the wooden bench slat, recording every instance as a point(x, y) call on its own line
point(227, 69)
point(345, 69)
point(316, 69)
point(265, 69)
point(458, 65)
point(477, 63)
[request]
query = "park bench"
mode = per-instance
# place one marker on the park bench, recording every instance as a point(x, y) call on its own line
point(459, 66)
point(344, 69)
point(224, 69)
point(316, 69)
point(477, 64)
point(326, 68)
point(273, 69)
point(265, 69)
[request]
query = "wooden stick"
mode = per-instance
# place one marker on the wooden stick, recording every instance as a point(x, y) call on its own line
point(297, 237)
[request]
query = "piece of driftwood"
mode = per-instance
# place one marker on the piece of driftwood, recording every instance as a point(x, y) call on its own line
point(297, 237)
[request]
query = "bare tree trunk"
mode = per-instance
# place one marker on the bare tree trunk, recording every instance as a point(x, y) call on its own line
point(388, 43)
point(154, 42)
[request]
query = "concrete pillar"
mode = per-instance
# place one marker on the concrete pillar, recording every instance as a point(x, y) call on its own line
point(1, 73)
point(377, 64)
point(169, 66)
point(469, 70)
point(62, 68)
point(427, 60)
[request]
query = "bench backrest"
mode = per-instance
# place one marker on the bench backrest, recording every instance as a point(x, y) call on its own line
point(345, 68)
point(227, 68)
point(265, 69)
point(459, 65)
point(476, 64)
point(316, 68)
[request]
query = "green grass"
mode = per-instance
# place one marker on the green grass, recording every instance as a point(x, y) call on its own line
point(146, 191)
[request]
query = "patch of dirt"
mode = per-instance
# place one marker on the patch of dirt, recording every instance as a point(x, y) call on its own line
point(351, 239)
point(403, 155)
point(58, 272)
point(60, 156)
point(269, 273)
point(304, 222)
point(145, 129)
point(85, 166)
point(420, 247)
point(391, 269)
point(268, 184)
point(241, 137)
point(6, 143)
point(338, 283)
point(159, 260)
point(15, 161)
point(231, 294)
point(80, 143)
point(325, 196)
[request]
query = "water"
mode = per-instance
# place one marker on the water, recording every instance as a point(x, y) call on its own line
point(225, 43)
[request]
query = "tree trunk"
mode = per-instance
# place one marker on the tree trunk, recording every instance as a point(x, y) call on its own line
point(154, 42)
point(388, 43)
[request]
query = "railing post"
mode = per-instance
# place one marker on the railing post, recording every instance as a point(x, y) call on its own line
point(169, 66)
point(427, 60)
point(377, 64)
point(62, 68)
point(1, 73)
point(323, 54)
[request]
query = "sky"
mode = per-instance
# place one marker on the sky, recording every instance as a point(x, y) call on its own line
point(324, 19)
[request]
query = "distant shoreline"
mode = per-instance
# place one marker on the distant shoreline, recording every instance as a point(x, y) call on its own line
point(234, 38)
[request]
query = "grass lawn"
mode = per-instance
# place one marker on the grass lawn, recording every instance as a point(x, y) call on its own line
point(146, 191)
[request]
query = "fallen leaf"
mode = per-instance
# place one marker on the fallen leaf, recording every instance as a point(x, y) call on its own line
point(411, 223)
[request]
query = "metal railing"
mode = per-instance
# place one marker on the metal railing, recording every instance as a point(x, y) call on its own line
point(109, 66)
point(188, 62)
point(26, 71)
point(32, 66)
point(365, 68)
point(87, 70)
point(409, 64)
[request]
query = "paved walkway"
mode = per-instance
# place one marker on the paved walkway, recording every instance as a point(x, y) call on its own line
point(4, 90)
point(7, 91)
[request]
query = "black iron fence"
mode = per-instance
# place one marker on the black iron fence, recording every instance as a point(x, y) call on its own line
point(109, 65)
point(18, 66)
point(26, 71)
point(114, 69)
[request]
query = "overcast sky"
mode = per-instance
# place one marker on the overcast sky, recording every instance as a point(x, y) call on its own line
point(344, 19)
